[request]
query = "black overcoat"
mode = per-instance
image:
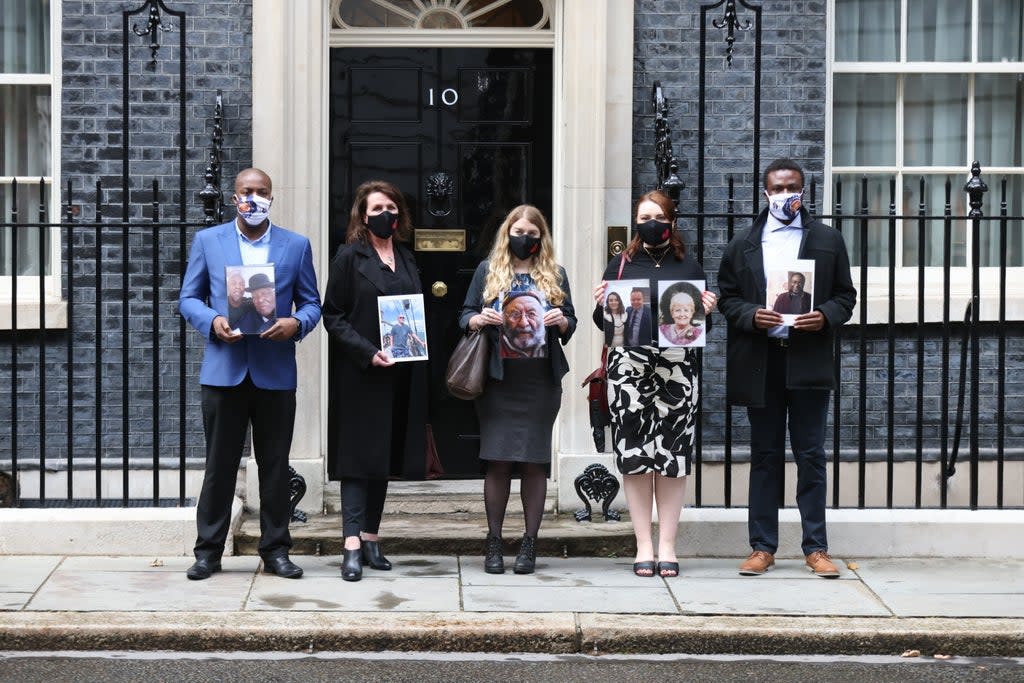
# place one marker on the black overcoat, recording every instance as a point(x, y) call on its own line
point(364, 441)
point(741, 280)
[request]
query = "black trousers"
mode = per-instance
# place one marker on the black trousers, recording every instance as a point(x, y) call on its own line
point(807, 413)
point(227, 412)
point(362, 505)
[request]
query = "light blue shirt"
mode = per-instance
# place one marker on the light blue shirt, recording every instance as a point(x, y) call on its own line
point(254, 252)
point(780, 246)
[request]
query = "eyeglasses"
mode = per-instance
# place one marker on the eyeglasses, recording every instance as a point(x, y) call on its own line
point(517, 315)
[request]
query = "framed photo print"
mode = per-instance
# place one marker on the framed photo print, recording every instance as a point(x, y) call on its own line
point(627, 313)
point(790, 289)
point(681, 319)
point(252, 302)
point(523, 334)
point(403, 327)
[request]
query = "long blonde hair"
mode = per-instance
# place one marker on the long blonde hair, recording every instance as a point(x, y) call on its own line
point(543, 268)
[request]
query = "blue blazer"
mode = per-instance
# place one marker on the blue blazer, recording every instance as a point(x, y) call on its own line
point(270, 364)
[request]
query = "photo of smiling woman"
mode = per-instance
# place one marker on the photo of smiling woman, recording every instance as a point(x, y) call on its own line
point(523, 393)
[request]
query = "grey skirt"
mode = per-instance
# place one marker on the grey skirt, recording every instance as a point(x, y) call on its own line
point(517, 414)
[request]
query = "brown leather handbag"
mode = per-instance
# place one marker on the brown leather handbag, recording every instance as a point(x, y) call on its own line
point(468, 365)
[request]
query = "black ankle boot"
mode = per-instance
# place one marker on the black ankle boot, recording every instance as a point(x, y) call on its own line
point(352, 565)
point(526, 560)
point(494, 563)
point(373, 557)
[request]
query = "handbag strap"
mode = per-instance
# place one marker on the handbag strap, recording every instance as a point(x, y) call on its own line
point(622, 264)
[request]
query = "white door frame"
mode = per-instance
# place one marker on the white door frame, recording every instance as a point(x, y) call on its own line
point(592, 42)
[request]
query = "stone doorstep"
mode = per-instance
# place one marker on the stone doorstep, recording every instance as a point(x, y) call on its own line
point(703, 532)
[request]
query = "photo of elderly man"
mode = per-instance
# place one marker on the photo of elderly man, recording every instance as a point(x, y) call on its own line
point(264, 305)
point(523, 334)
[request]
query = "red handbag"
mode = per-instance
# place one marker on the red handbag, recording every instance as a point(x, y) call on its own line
point(597, 389)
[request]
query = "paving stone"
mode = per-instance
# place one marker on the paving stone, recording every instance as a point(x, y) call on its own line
point(13, 601)
point(373, 594)
point(652, 599)
point(947, 587)
point(25, 574)
point(810, 596)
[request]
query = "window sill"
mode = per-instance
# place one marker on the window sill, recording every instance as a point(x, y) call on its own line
point(55, 315)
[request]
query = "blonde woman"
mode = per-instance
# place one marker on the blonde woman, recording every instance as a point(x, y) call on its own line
point(520, 297)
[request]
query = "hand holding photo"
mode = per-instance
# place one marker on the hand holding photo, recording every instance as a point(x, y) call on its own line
point(403, 329)
point(681, 319)
point(790, 289)
point(627, 313)
point(251, 299)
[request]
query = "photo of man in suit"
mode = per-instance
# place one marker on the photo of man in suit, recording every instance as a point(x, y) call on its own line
point(639, 330)
point(263, 314)
point(248, 379)
point(794, 299)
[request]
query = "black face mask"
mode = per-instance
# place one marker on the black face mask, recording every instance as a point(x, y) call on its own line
point(524, 246)
point(653, 233)
point(383, 224)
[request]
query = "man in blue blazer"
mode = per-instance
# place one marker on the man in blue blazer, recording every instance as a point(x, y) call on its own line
point(248, 379)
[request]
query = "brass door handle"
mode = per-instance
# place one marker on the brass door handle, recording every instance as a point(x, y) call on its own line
point(439, 289)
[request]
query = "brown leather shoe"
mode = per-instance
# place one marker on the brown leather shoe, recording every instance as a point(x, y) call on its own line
point(821, 564)
point(757, 563)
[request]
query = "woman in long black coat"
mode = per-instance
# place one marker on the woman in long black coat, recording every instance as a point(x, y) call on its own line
point(379, 406)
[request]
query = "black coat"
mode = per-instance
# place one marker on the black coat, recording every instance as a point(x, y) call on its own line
point(364, 442)
point(741, 279)
point(474, 304)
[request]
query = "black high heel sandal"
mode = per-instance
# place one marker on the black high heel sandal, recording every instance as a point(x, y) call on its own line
point(373, 557)
point(352, 564)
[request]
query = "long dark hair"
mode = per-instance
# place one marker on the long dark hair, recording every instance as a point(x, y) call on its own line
point(608, 307)
point(675, 238)
point(357, 229)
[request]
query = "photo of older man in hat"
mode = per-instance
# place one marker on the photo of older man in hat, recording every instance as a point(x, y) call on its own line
point(264, 305)
point(523, 333)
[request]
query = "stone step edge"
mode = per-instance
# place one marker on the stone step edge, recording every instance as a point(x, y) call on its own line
point(550, 633)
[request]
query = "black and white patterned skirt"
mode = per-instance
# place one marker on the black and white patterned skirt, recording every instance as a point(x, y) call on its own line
point(652, 395)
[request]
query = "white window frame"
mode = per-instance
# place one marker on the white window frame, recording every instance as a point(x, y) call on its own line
point(877, 301)
point(54, 308)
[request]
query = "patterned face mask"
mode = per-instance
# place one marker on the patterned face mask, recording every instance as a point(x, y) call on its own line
point(785, 206)
point(253, 209)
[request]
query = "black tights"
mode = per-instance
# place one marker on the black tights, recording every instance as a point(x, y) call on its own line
point(533, 491)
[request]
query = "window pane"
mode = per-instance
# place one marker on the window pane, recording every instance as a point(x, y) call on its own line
point(864, 128)
point(939, 30)
point(999, 119)
point(23, 260)
point(934, 230)
point(449, 15)
point(25, 130)
point(875, 249)
point(867, 30)
point(1001, 25)
point(25, 36)
point(991, 246)
point(935, 120)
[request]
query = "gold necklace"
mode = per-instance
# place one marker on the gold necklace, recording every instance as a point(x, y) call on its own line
point(657, 261)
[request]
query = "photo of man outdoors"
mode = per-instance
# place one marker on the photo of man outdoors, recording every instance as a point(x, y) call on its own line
point(523, 333)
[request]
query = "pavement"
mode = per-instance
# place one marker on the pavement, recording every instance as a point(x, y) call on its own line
point(575, 604)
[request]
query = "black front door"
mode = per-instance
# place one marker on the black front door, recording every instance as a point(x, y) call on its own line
point(465, 133)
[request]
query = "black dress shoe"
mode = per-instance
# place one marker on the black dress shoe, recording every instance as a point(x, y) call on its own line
point(202, 569)
point(282, 566)
point(352, 565)
point(526, 560)
point(373, 557)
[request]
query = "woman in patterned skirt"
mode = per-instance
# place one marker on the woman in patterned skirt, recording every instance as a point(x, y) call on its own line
point(520, 295)
point(652, 392)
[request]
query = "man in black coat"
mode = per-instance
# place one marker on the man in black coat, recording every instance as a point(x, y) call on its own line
point(777, 370)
